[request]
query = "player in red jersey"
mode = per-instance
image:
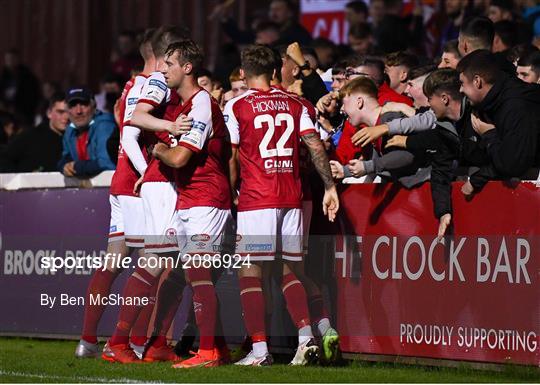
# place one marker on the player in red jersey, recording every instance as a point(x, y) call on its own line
point(266, 125)
point(127, 217)
point(204, 200)
point(319, 313)
point(152, 114)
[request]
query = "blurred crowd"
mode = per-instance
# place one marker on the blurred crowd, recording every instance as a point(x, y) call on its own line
point(396, 45)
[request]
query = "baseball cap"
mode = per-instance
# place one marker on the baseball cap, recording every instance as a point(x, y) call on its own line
point(79, 93)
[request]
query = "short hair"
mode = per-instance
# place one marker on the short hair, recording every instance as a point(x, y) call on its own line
point(451, 46)
point(401, 58)
point(532, 60)
point(235, 75)
point(443, 80)
point(188, 52)
point(480, 62)
point(361, 85)
point(357, 6)
point(480, 30)
point(339, 68)
point(521, 50)
point(507, 32)
point(507, 5)
point(145, 42)
point(322, 42)
point(278, 63)
point(55, 98)
point(420, 71)
point(267, 25)
point(369, 61)
point(167, 35)
point(360, 31)
point(202, 72)
point(258, 60)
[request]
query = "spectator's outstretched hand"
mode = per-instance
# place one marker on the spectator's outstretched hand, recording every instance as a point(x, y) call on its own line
point(337, 169)
point(327, 105)
point(468, 190)
point(444, 222)
point(295, 53)
point(397, 141)
point(368, 134)
point(398, 107)
point(330, 203)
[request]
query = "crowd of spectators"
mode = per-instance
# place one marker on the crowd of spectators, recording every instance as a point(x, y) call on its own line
point(412, 83)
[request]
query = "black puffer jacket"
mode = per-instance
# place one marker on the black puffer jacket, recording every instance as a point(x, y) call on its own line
point(514, 145)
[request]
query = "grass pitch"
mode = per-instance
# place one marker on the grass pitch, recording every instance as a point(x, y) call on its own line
point(32, 360)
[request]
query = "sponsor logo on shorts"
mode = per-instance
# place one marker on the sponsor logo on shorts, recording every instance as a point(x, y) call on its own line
point(200, 238)
point(112, 229)
point(200, 245)
point(259, 247)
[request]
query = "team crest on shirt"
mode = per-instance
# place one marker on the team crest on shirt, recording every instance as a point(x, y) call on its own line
point(171, 233)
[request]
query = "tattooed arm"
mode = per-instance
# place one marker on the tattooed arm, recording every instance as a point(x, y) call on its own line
point(322, 165)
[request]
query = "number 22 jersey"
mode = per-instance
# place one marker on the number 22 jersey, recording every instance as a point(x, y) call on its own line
point(266, 126)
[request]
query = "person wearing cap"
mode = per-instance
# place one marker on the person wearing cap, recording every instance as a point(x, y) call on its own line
point(88, 136)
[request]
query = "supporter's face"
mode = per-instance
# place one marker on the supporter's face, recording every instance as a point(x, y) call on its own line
point(287, 68)
point(453, 7)
point(496, 14)
point(279, 13)
point(414, 90)
point(360, 46)
point(527, 74)
point(353, 17)
point(376, 10)
point(238, 88)
point(352, 106)
point(267, 37)
point(125, 45)
point(396, 75)
point(438, 104)
point(80, 112)
point(470, 87)
point(205, 82)
point(448, 60)
point(338, 81)
point(173, 71)
point(58, 116)
point(111, 88)
point(326, 57)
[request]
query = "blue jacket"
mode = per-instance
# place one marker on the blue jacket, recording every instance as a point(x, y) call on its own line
point(102, 127)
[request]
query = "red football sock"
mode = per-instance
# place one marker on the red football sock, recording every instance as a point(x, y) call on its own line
point(100, 283)
point(168, 299)
point(135, 287)
point(204, 306)
point(317, 310)
point(252, 299)
point(139, 332)
point(295, 296)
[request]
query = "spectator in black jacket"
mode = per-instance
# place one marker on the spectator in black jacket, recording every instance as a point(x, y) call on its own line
point(507, 119)
point(39, 148)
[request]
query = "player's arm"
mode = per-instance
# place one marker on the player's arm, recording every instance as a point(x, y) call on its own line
point(175, 157)
point(234, 134)
point(312, 140)
point(130, 144)
point(143, 118)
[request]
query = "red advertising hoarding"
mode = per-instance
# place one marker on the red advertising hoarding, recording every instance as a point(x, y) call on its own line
point(476, 297)
point(325, 19)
